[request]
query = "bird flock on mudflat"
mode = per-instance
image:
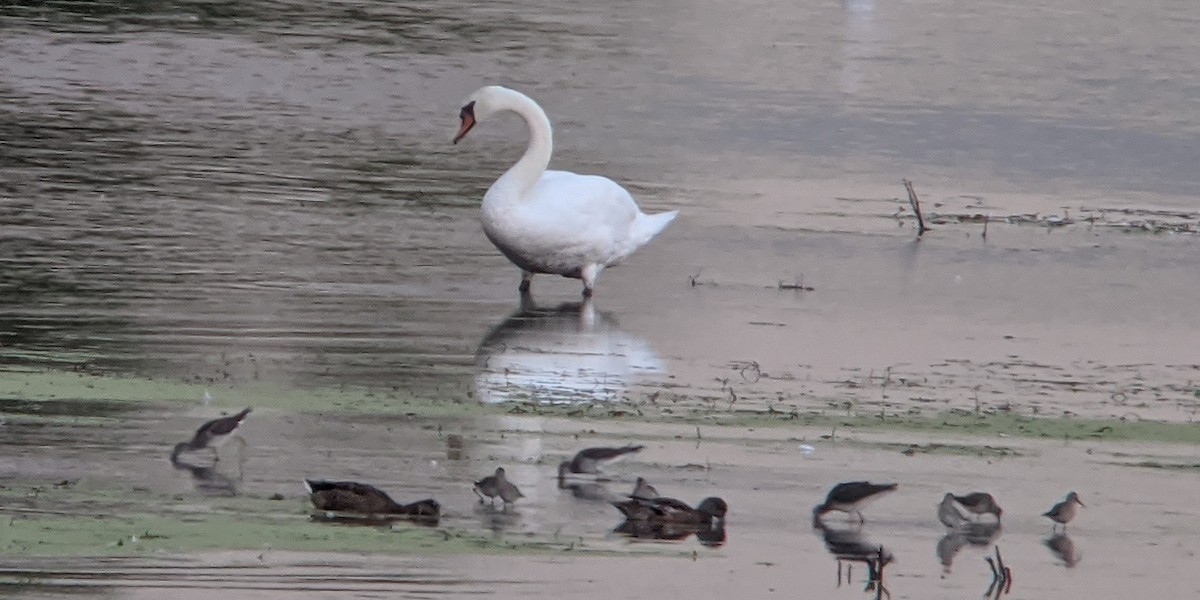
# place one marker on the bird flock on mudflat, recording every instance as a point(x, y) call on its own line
point(642, 507)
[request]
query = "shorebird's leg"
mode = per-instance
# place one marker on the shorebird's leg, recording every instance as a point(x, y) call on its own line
point(526, 282)
point(241, 457)
point(861, 519)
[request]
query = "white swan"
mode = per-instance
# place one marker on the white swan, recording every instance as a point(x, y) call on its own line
point(554, 221)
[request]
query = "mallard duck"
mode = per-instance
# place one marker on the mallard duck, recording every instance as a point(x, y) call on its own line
point(980, 503)
point(670, 510)
point(350, 496)
point(210, 435)
point(850, 497)
point(497, 485)
point(1064, 511)
point(590, 460)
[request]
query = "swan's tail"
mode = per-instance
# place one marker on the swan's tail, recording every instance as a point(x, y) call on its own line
point(645, 227)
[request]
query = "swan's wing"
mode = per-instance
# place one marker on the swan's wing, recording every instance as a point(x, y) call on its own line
point(584, 218)
point(590, 209)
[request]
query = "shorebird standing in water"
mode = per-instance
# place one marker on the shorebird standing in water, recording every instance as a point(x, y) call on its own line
point(589, 460)
point(1064, 511)
point(949, 514)
point(850, 497)
point(642, 490)
point(210, 435)
point(980, 503)
point(497, 485)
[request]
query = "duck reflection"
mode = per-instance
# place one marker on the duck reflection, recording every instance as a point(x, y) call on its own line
point(1063, 548)
point(850, 544)
point(712, 535)
point(981, 535)
point(571, 353)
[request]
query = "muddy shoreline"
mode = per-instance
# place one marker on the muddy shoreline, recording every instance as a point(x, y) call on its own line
point(110, 492)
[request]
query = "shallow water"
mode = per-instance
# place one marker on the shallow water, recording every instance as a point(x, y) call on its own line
point(265, 191)
point(1131, 537)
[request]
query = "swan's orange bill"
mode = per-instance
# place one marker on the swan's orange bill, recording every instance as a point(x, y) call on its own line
point(468, 120)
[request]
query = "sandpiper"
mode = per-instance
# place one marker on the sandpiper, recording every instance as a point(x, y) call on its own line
point(948, 512)
point(590, 460)
point(1064, 511)
point(850, 497)
point(670, 510)
point(642, 490)
point(980, 503)
point(210, 435)
point(497, 485)
point(350, 496)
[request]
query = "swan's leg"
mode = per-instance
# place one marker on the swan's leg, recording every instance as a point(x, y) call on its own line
point(526, 282)
point(588, 274)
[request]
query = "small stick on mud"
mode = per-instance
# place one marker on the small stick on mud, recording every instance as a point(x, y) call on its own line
point(985, 222)
point(916, 206)
point(798, 284)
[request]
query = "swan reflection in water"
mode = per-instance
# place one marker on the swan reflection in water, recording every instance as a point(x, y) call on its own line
point(850, 544)
point(568, 354)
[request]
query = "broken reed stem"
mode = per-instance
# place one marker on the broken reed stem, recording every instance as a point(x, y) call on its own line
point(916, 206)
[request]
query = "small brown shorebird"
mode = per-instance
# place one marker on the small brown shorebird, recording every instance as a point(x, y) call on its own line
point(210, 435)
point(949, 514)
point(980, 503)
point(670, 510)
point(350, 496)
point(850, 497)
point(1064, 511)
point(590, 460)
point(642, 490)
point(497, 485)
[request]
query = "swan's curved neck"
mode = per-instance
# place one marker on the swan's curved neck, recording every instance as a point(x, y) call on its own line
point(522, 175)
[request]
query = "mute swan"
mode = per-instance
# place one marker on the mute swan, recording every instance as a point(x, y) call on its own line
point(555, 222)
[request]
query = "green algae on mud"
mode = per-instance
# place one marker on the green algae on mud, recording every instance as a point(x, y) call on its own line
point(54, 387)
point(112, 522)
point(63, 387)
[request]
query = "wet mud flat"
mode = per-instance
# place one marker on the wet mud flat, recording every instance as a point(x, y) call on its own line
point(92, 505)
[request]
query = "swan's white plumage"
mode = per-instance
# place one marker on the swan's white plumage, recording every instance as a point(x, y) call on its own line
point(557, 222)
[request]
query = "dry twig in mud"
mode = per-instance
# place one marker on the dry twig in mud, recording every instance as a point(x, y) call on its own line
point(795, 285)
point(916, 206)
point(694, 280)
